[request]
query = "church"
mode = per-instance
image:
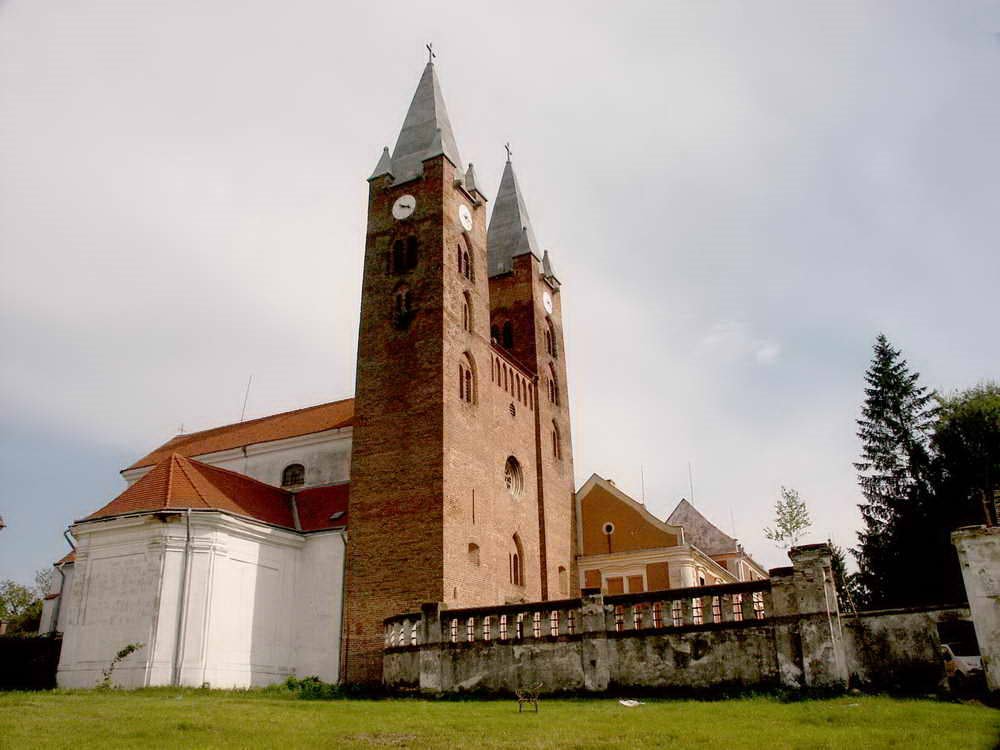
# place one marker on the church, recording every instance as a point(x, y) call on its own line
point(243, 554)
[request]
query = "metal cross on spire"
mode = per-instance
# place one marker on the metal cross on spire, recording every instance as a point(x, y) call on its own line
point(430, 52)
point(507, 146)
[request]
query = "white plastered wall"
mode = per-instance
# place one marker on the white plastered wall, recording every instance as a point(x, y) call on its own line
point(254, 605)
point(326, 457)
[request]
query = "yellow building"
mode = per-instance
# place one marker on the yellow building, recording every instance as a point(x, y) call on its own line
point(626, 549)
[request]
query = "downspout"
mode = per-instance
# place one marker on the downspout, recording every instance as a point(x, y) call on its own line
point(182, 610)
point(62, 586)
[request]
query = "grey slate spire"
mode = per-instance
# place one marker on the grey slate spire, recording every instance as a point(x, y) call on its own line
point(470, 179)
point(426, 131)
point(384, 165)
point(547, 269)
point(510, 233)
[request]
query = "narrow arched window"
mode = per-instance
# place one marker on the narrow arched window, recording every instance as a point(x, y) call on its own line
point(553, 386)
point(466, 380)
point(411, 253)
point(508, 335)
point(550, 338)
point(556, 442)
point(467, 272)
point(495, 334)
point(293, 475)
point(402, 307)
point(517, 562)
point(461, 254)
point(398, 256)
point(467, 312)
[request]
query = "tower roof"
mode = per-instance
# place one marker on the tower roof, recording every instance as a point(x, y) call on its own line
point(426, 132)
point(510, 233)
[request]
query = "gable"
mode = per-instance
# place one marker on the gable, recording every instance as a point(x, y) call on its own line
point(634, 527)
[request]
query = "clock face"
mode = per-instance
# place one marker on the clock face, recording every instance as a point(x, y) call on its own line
point(465, 216)
point(403, 207)
point(547, 302)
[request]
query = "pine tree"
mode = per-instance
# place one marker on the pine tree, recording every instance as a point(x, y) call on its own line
point(894, 473)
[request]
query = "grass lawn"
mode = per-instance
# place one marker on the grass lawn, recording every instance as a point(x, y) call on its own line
point(214, 719)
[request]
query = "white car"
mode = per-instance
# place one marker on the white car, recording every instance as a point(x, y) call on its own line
point(961, 670)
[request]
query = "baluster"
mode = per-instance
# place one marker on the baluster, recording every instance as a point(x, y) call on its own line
point(726, 608)
point(746, 607)
point(766, 609)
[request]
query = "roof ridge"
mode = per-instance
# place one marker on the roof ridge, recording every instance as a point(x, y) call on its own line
point(182, 463)
point(259, 419)
point(243, 477)
point(170, 476)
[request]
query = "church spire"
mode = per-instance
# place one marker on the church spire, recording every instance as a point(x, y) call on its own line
point(510, 233)
point(426, 131)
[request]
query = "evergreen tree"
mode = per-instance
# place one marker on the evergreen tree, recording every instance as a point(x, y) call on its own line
point(894, 473)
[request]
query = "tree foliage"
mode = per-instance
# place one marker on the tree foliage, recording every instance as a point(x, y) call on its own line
point(21, 606)
point(791, 519)
point(894, 472)
point(967, 446)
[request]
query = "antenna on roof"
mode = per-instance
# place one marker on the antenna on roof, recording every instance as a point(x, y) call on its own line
point(180, 430)
point(691, 482)
point(246, 396)
point(642, 479)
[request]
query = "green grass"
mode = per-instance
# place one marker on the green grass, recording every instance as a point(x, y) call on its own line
point(275, 719)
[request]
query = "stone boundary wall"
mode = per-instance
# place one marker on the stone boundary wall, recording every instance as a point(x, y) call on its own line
point(899, 649)
point(779, 632)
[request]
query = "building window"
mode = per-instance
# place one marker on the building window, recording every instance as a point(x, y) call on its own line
point(404, 255)
point(517, 562)
point(467, 312)
point(553, 386)
point(550, 338)
point(495, 334)
point(402, 307)
point(466, 381)
point(294, 474)
point(465, 263)
point(474, 554)
point(513, 478)
point(508, 335)
point(556, 442)
point(563, 581)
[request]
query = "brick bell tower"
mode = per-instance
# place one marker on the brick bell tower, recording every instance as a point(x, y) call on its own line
point(455, 496)
point(526, 321)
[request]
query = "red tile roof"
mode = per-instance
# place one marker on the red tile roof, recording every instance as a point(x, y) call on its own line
point(178, 483)
point(69, 557)
point(317, 505)
point(335, 414)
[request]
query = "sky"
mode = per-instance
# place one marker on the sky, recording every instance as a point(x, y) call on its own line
point(737, 197)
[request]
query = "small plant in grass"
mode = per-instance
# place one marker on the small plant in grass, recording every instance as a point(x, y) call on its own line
point(105, 684)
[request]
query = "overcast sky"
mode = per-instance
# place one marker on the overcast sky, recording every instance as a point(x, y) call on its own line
point(738, 197)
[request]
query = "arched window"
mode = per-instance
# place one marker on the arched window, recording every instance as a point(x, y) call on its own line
point(563, 581)
point(411, 252)
point(513, 477)
point(461, 256)
point(550, 338)
point(517, 562)
point(398, 264)
point(294, 474)
point(495, 334)
point(508, 335)
point(467, 312)
point(467, 265)
point(553, 386)
point(474, 553)
point(402, 306)
point(556, 442)
point(466, 380)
